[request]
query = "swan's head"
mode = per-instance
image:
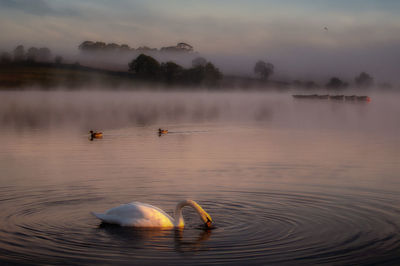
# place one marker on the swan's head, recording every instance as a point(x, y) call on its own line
point(205, 217)
point(208, 222)
point(203, 214)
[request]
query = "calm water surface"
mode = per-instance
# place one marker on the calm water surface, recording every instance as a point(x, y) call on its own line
point(286, 182)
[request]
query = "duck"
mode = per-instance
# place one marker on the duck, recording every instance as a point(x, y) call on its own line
point(162, 131)
point(142, 215)
point(95, 135)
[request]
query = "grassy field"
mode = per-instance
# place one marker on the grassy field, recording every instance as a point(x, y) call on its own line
point(52, 76)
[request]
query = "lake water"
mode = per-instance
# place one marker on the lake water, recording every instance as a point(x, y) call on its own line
point(292, 182)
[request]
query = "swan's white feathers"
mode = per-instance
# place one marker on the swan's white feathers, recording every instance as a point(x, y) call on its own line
point(137, 214)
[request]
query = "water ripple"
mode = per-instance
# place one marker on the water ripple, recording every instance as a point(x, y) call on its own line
point(272, 227)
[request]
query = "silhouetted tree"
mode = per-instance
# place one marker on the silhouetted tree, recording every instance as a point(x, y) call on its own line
point(19, 53)
point(171, 72)
point(144, 49)
point(32, 54)
point(211, 74)
point(194, 75)
point(145, 66)
point(336, 83)
point(124, 48)
point(86, 46)
point(364, 80)
point(44, 54)
point(199, 61)
point(89, 46)
point(112, 47)
point(180, 47)
point(58, 59)
point(5, 57)
point(263, 69)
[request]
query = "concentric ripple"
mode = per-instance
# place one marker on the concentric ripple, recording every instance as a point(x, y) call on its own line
point(274, 227)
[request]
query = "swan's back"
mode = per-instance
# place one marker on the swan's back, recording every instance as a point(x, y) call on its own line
point(137, 214)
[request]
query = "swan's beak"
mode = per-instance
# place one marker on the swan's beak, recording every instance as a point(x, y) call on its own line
point(208, 223)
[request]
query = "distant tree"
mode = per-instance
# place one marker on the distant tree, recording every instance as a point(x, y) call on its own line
point(364, 80)
point(86, 46)
point(180, 47)
point(89, 46)
point(44, 54)
point(211, 74)
point(386, 85)
point(32, 54)
point(58, 59)
point(185, 47)
point(171, 71)
point(144, 49)
point(199, 61)
point(5, 57)
point(98, 46)
point(124, 48)
point(335, 83)
point(112, 47)
point(145, 66)
point(194, 75)
point(19, 53)
point(208, 75)
point(263, 69)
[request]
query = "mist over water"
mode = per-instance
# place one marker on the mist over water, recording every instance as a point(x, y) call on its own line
point(286, 181)
point(105, 110)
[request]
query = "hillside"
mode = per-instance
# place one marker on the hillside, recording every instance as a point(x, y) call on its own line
point(50, 76)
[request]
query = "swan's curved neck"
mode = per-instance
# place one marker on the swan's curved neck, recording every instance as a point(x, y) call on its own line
point(179, 222)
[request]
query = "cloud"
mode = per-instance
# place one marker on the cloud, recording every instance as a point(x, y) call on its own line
point(289, 33)
point(37, 7)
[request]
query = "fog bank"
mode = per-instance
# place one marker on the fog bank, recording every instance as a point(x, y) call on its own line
point(85, 110)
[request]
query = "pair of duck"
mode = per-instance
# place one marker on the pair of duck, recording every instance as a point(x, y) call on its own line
point(99, 135)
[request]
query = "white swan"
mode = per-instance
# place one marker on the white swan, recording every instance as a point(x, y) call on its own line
point(139, 214)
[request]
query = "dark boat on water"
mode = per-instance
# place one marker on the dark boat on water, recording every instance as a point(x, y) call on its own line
point(352, 98)
point(336, 97)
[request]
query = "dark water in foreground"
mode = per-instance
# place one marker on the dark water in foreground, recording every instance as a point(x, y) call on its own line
point(286, 182)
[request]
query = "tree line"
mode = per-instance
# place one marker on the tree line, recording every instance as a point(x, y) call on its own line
point(99, 46)
point(201, 72)
point(32, 54)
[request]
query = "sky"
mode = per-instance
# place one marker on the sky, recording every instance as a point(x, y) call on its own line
point(361, 35)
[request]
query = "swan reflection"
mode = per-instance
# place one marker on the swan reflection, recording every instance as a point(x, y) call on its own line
point(185, 241)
